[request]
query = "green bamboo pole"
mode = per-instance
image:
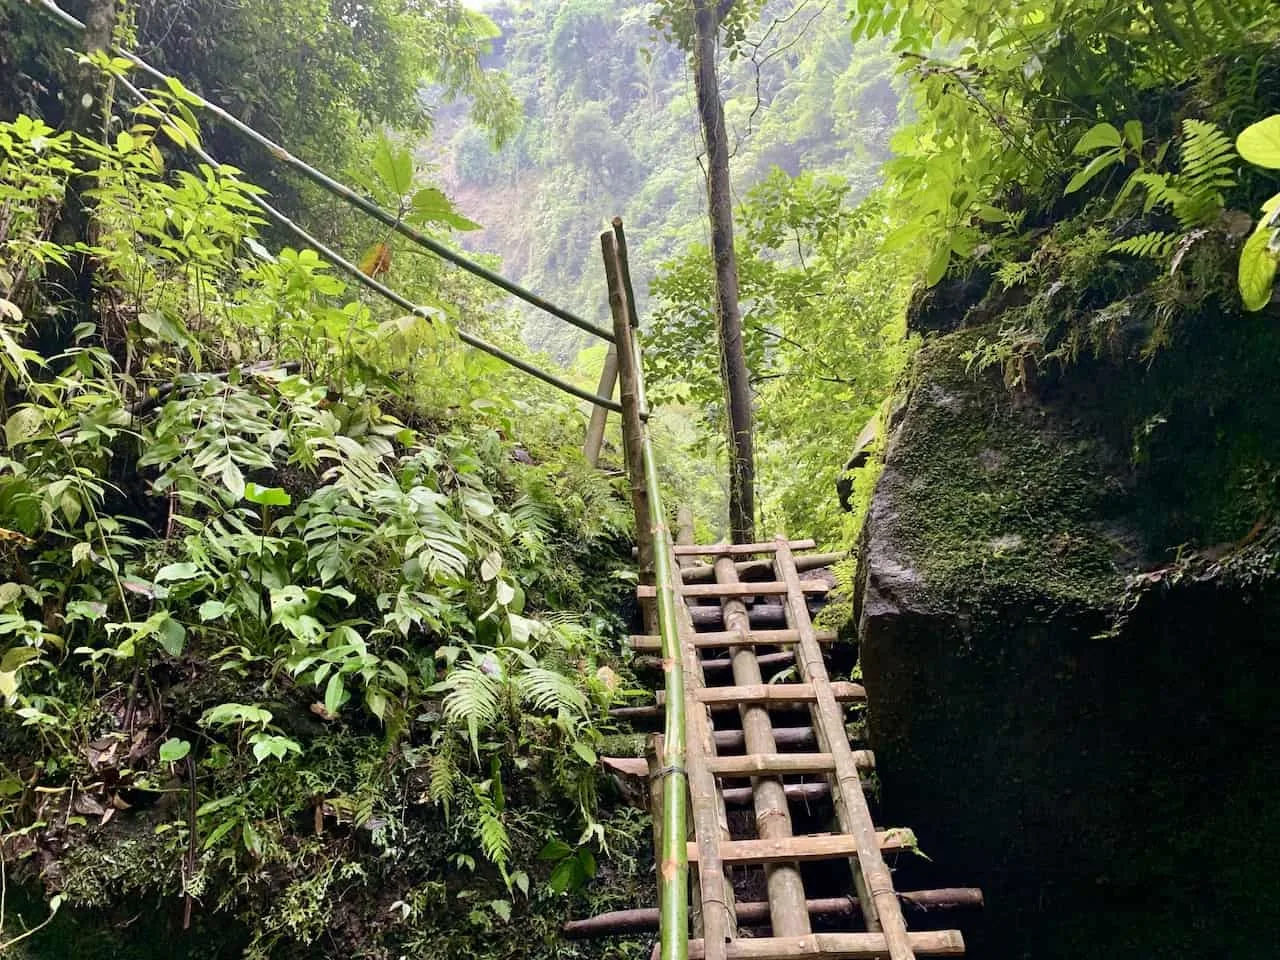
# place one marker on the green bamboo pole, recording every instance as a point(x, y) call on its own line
point(342, 263)
point(346, 193)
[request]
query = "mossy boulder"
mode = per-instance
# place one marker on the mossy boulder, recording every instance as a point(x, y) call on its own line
point(1065, 595)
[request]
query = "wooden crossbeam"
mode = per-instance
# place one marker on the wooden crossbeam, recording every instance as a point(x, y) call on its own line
point(834, 946)
point(794, 792)
point(717, 590)
point(782, 764)
point(648, 643)
point(818, 846)
point(775, 693)
point(736, 549)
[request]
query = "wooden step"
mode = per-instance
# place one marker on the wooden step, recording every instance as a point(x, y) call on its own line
point(851, 946)
point(767, 695)
point(762, 660)
point(795, 792)
point(748, 570)
point(774, 693)
point(820, 846)
point(648, 643)
point(782, 736)
point(763, 589)
point(736, 549)
point(782, 764)
point(754, 912)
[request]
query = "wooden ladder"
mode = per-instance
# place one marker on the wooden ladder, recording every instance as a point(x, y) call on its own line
point(713, 852)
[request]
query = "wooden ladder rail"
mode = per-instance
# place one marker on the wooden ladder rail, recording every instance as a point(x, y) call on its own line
point(710, 819)
point(785, 889)
point(874, 885)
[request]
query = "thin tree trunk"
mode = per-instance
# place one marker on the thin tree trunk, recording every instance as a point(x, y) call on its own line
point(88, 115)
point(733, 359)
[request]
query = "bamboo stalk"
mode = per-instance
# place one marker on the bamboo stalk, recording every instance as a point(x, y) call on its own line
point(726, 638)
point(711, 823)
point(829, 846)
point(599, 415)
point(757, 912)
point(633, 434)
point(765, 659)
point(349, 268)
point(794, 792)
point(872, 880)
point(834, 946)
point(783, 883)
point(750, 570)
point(738, 549)
point(343, 192)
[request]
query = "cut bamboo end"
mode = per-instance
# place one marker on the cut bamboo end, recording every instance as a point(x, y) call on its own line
point(737, 549)
point(851, 946)
point(828, 846)
point(648, 643)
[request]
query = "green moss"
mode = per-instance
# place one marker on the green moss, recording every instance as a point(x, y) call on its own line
point(986, 489)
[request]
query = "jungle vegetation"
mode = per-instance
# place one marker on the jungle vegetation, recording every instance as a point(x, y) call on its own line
point(310, 616)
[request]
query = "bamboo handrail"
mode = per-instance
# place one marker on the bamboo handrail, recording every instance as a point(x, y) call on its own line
point(341, 190)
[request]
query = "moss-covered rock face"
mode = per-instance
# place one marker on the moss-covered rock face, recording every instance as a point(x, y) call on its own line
point(1064, 603)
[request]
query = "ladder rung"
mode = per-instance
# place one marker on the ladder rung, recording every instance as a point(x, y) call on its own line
point(851, 946)
point(782, 736)
point(745, 796)
point(761, 589)
point(770, 693)
point(822, 846)
point(648, 643)
point(780, 764)
point(736, 549)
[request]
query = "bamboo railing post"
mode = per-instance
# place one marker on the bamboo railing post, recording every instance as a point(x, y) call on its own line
point(599, 415)
point(684, 534)
point(773, 816)
point(880, 908)
point(710, 819)
point(632, 424)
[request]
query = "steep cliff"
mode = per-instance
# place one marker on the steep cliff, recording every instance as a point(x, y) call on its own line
point(1067, 594)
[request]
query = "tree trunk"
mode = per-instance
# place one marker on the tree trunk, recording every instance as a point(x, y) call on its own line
point(733, 359)
point(88, 114)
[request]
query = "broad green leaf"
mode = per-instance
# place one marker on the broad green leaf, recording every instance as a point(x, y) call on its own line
point(938, 264)
point(212, 610)
point(1257, 271)
point(1260, 143)
point(266, 496)
point(173, 636)
point(333, 694)
point(394, 166)
point(24, 424)
point(1102, 135)
point(173, 750)
point(555, 850)
point(233, 479)
point(177, 571)
point(1133, 134)
point(1095, 166)
point(432, 206)
point(585, 753)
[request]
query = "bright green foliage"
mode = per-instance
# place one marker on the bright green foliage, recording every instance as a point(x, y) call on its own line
point(824, 338)
point(1260, 145)
point(1017, 75)
point(321, 579)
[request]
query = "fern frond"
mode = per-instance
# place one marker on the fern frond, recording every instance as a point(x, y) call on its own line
point(472, 699)
point(549, 691)
point(1157, 245)
point(443, 774)
point(494, 839)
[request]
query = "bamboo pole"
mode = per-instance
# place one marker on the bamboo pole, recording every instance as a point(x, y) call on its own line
point(599, 415)
point(633, 434)
point(710, 819)
point(773, 815)
point(749, 570)
point(349, 268)
point(755, 912)
point(340, 190)
point(872, 880)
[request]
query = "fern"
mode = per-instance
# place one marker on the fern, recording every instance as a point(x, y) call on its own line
point(550, 691)
point(1156, 245)
point(495, 841)
point(1208, 169)
point(472, 699)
